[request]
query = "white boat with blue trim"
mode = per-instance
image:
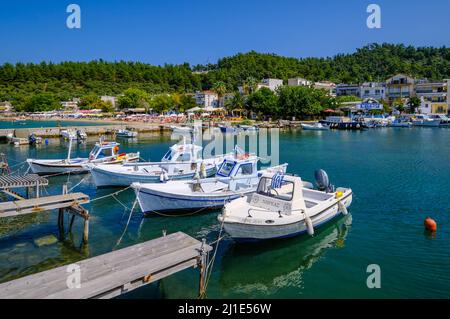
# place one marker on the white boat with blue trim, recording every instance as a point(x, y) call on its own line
point(283, 207)
point(237, 176)
point(181, 162)
point(103, 152)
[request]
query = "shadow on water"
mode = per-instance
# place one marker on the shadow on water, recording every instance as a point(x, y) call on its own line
point(268, 266)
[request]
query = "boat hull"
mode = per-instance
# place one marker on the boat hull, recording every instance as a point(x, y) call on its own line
point(151, 201)
point(105, 178)
point(255, 232)
point(53, 167)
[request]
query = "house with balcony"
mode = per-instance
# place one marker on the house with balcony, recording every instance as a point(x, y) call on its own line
point(5, 107)
point(400, 86)
point(207, 99)
point(70, 105)
point(271, 84)
point(348, 90)
point(433, 97)
point(373, 90)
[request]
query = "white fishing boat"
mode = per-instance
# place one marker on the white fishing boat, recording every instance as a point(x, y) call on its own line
point(103, 152)
point(81, 135)
point(283, 207)
point(180, 162)
point(183, 130)
point(425, 121)
point(237, 176)
point(126, 133)
point(400, 123)
point(315, 127)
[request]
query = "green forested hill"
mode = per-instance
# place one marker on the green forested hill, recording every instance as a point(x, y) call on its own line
point(65, 80)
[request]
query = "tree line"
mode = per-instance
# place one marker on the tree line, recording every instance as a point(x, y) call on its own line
point(20, 83)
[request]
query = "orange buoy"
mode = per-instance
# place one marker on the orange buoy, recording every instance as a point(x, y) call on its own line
point(430, 224)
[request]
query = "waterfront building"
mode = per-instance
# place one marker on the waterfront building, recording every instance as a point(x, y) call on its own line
point(433, 96)
point(5, 107)
point(399, 86)
point(207, 99)
point(373, 90)
point(328, 86)
point(70, 105)
point(348, 90)
point(299, 82)
point(112, 99)
point(271, 84)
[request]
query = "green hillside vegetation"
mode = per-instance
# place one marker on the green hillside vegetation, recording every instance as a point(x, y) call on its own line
point(34, 87)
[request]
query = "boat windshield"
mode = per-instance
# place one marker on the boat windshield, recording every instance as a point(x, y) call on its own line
point(168, 156)
point(226, 168)
point(276, 187)
point(95, 150)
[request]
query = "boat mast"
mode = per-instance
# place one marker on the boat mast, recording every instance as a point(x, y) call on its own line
point(70, 150)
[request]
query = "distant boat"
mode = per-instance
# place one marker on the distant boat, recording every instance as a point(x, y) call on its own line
point(227, 129)
point(423, 120)
point(248, 128)
point(400, 123)
point(126, 134)
point(183, 129)
point(81, 135)
point(315, 127)
point(103, 152)
point(69, 135)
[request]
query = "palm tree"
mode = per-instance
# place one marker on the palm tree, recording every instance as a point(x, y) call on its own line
point(250, 85)
point(220, 89)
point(236, 103)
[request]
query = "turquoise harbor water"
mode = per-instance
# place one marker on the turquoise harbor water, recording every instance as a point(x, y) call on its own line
point(41, 124)
point(399, 177)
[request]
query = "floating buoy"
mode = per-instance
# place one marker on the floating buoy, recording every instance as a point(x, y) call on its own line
point(430, 224)
point(343, 208)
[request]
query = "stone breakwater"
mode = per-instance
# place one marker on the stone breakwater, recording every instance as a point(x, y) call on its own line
point(51, 132)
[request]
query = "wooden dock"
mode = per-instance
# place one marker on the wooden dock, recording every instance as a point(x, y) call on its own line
point(114, 273)
point(8, 182)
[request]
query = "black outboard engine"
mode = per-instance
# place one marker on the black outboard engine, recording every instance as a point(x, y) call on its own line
point(323, 182)
point(32, 139)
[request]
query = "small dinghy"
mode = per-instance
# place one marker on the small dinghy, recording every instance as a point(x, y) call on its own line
point(103, 152)
point(315, 127)
point(283, 207)
point(237, 176)
point(126, 134)
point(180, 162)
point(69, 135)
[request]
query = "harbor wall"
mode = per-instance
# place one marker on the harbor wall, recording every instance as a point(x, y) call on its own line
point(51, 132)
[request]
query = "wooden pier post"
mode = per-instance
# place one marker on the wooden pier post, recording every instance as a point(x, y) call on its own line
point(86, 229)
point(202, 266)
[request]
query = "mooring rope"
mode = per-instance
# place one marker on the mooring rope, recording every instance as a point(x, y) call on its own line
point(109, 195)
point(79, 183)
point(126, 226)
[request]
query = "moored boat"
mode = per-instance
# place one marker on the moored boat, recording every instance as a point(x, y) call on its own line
point(283, 207)
point(180, 162)
point(315, 127)
point(103, 152)
point(126, 134)
point(237, 176)
point(423, 120)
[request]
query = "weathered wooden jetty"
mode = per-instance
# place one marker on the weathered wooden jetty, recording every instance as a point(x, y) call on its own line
point(114, 273)
point(9, 182)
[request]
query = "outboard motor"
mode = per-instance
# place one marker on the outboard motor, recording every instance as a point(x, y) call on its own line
point(323, 182)
point(32, 139)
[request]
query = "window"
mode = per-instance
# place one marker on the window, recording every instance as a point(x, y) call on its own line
point(168, 156)
point(268, 188)
point(245, 169)
point(226, 168)
point(105, 153)
point(185, 157)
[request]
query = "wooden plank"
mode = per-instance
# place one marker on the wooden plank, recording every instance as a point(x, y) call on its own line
point(114, 273)
point(34, 205)
point(18, 181)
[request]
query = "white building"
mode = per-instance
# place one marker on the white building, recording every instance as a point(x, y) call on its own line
point(207, 99)
point(112, 99)
point(433, 97)
point(271, 84)
point(328, 86)
point(299, 82)
point(373, 90)
point(70, 105)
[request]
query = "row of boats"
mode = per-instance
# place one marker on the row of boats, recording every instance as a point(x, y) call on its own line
point(419, 120)
point(256, 204)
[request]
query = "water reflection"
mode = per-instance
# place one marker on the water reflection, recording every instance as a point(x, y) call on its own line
point(267, 267)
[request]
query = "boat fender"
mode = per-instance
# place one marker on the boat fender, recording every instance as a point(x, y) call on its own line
point(343, 208)
point(161, 177)
point(203, 170)
point(309, 225)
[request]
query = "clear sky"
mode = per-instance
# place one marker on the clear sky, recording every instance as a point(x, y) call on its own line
point(201, 31)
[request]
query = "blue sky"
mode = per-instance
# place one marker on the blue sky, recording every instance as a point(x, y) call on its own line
point(200, 31)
